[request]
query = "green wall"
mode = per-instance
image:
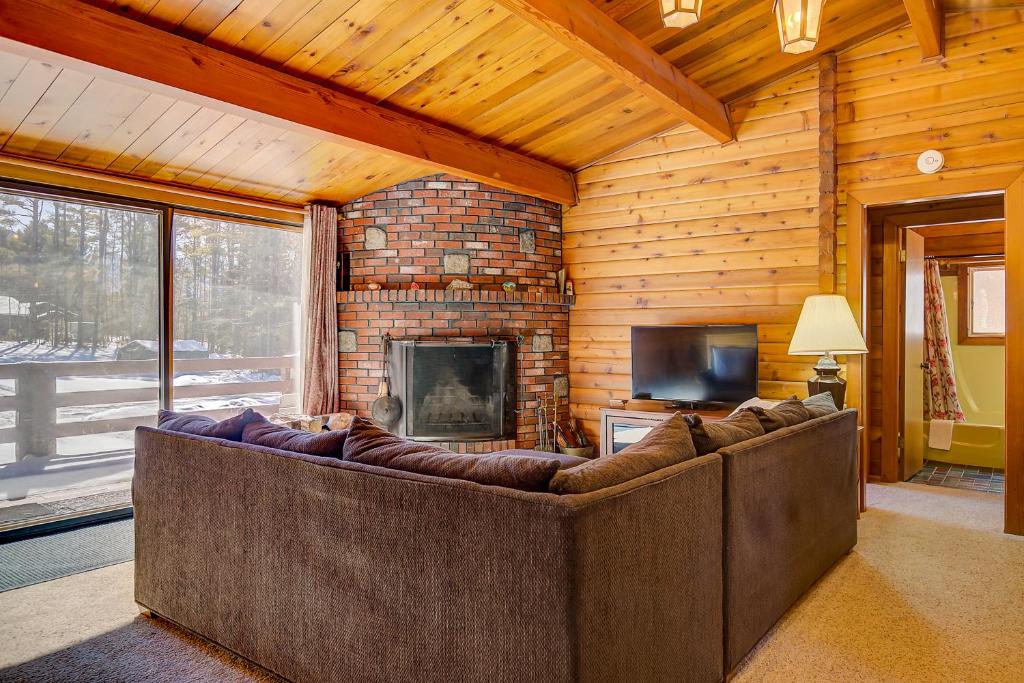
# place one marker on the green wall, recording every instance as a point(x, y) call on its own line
point(980, 370)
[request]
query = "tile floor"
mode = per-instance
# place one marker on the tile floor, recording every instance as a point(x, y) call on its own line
point(936, 473)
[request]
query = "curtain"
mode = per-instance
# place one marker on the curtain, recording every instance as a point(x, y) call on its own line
point(940, 399)
point(320, 311)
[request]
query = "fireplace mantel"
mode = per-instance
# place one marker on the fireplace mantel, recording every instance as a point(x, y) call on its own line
point(452, 296)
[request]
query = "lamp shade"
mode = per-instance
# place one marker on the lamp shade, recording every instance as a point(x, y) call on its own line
point(826, 325)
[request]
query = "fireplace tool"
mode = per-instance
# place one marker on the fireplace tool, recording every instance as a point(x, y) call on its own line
point(542, 424)
point(386, 409)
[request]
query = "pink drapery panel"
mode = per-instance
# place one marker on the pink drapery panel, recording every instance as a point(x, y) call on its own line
point(941, 402)
point(320, 328)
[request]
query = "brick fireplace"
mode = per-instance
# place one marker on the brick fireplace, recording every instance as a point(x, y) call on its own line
point(430, 232)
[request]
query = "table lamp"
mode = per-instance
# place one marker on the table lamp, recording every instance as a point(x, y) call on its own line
point(826, 327)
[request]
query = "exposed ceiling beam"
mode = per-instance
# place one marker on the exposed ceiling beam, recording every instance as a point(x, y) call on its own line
point(113, 47)
point(927, 19)
point(586, 30)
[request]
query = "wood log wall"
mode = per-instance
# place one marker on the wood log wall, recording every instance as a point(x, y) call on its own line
point(891, 107)
point(677, 230)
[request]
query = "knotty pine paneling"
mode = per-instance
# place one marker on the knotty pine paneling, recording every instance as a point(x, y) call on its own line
point(677, 230)
point(891, 107)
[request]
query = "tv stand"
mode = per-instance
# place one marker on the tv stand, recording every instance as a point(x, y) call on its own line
point(643, 414)
point(694, 406)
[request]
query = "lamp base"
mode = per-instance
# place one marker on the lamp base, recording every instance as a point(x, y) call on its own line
point(828, 380)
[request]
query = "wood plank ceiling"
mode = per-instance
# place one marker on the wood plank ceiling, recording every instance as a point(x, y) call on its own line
point(467, 64)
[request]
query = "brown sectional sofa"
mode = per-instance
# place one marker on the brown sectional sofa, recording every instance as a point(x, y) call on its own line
point(324, 570)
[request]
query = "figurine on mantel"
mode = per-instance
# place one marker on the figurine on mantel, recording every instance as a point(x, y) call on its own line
point(458, 284)
point(373, 286)
point(509, 287)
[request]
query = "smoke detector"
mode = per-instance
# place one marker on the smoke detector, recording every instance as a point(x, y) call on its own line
point(930, 161)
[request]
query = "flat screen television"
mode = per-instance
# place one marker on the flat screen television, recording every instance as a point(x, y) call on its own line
point(695, 365)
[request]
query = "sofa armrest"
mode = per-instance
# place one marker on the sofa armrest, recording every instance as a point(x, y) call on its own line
point(648, 569)
point(790, 505)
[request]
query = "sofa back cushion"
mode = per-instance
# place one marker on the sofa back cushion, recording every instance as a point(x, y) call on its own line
point(371, 445)
point(820, 405)
point(668, 443)
point(564, 461)
point(200, 425)
point(262, 432)
point(790, 412)
point(709, 437)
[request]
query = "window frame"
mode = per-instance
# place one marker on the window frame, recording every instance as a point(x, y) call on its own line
point(965, 300)
point(165, 212)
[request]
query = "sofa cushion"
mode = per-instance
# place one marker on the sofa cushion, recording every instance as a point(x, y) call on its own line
point(790, 412)
point(711, 436)
point(200, 425)
point(371, 445)
point(668, 443)
point(820, 405)
point(564, 461)
point(262, 432)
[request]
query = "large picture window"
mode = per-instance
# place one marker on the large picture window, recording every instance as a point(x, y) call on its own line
point(236, 315)
point(84, 285)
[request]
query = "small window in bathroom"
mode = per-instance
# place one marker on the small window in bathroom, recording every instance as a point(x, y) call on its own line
point(982, 303)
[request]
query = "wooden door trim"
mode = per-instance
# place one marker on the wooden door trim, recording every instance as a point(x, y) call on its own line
point(1011, 184)
point(892, 354)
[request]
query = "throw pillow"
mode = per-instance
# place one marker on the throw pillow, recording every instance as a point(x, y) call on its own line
point(200, 425)
point(371, 445)
point(668, 443)
point(750, 402)
point(790, 412)
point(820, 405)
point(262, 432)
point(711, 436)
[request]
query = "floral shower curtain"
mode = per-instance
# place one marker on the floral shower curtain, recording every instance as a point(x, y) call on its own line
point(940, 399)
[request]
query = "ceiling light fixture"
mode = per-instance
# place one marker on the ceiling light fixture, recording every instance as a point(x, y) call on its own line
point(799, 24)
point(680, 13)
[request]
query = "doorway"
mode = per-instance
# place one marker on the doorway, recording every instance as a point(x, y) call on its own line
point(942, 410)
point(864, 371)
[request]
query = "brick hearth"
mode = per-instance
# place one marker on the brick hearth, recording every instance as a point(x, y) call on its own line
point(432, 231)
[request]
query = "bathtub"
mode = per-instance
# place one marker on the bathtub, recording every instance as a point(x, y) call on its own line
point(979, 445)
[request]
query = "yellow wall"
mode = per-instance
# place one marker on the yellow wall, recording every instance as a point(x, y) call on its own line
point(980, 370)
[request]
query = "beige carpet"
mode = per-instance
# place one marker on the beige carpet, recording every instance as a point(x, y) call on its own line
point(933, 592)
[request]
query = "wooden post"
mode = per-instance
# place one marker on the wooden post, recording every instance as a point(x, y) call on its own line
point(827, 185)
point(36, 400)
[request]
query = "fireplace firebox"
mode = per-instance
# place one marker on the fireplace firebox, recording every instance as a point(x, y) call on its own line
point(454, 391)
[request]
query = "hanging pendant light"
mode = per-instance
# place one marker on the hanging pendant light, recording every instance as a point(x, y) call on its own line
point(799, 24)
point(680, 13)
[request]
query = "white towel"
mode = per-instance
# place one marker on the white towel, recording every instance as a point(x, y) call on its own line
point(940, 435)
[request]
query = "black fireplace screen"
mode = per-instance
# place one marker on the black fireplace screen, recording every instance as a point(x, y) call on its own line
point(454, 392)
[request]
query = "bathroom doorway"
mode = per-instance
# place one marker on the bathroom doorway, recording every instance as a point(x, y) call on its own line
point(943, 330)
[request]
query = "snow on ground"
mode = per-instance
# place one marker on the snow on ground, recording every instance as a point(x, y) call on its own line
point(24, 351)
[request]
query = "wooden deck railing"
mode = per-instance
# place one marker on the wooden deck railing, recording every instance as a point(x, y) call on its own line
point(36, 398)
